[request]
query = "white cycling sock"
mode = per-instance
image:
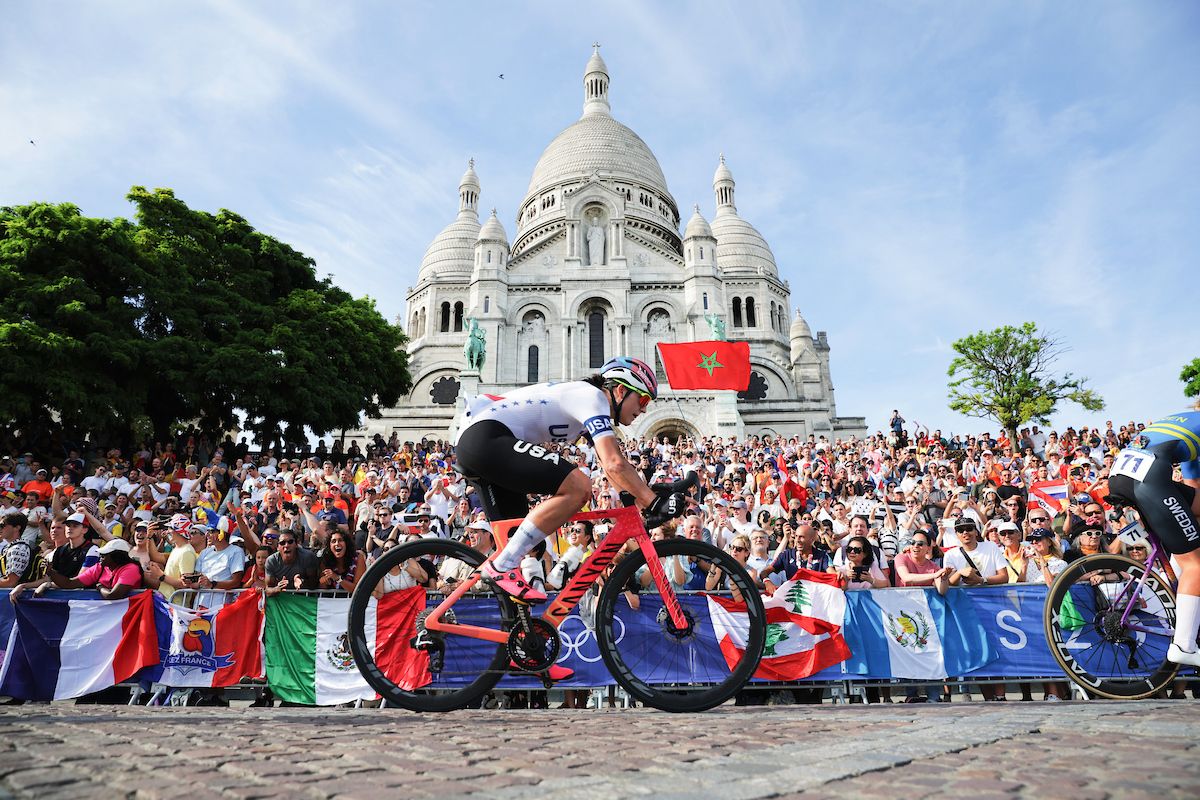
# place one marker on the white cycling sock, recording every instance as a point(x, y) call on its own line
point(524, 539)
point(1187, 621)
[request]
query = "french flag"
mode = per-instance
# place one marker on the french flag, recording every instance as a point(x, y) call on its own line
point(60, 649)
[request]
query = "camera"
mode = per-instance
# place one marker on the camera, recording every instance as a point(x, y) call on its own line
point(859, 572)
point(191, 577)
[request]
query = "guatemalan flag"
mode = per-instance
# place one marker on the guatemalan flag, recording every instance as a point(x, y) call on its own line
point(915, 633)
point(59, 649)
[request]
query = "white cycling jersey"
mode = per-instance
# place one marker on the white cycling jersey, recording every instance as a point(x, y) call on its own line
point(546, 412)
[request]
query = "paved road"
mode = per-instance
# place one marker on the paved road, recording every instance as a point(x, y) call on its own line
point(1082, 751)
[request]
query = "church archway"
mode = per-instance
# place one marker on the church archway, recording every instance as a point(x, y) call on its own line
point(673, 428)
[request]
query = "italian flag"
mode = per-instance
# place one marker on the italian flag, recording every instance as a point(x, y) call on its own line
point(804, 627)
point(308, 653)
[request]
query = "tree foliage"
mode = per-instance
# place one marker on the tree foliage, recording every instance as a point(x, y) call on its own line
point(1006, 375)
point(180, 315)
point(1190, 375)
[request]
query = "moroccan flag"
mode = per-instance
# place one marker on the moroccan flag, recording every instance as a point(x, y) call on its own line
point(307, 648)
point(804, 627)
point(707, 365)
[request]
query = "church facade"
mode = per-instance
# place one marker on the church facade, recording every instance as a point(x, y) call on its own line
point(596, 268)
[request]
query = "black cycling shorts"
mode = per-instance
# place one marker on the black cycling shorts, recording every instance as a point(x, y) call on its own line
point(1165, 506)
point(506, 470)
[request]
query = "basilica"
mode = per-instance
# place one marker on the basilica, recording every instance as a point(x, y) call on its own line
point(596, 267)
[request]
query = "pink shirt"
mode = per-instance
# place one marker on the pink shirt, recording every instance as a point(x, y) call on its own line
point(127, 575)
point(907, 561)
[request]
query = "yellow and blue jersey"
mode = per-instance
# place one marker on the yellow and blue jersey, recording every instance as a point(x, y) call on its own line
point(1182, 431)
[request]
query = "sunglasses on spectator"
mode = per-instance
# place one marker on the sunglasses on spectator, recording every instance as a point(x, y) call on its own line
point(854, 550)
point(919, 543)
point(1093, 513)
point(736, 548)
point(1137, 547)
point(283, 542)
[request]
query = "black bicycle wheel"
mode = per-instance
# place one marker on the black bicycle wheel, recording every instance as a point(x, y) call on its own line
point(671, 669)
point(458, 670)
point(1082, 618)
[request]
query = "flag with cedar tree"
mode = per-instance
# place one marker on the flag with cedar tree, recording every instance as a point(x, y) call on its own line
point(707, 365)
point(804, 627)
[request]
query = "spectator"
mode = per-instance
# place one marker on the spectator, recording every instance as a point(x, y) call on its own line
point(188, 541)
point(1087, 542)
point(221, 566)
point(797, 551)
point(975, 563)
point(116, 575)
point(454, 570)
point(859, 570)
point(19, 562)
point(341, 565)
point(918, 564)
point(405, 575)
point(292, 567)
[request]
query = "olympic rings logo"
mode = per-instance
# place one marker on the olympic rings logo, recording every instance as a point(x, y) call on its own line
point(574, 644)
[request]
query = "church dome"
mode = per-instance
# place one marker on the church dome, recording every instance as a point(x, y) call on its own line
point(452, 252)
point(492, 230)
point(800, 329)
point(597, 143)
point(697, 225)
point(740, 247)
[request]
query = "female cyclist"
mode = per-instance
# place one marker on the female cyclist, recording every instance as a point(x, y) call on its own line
point(503, 445)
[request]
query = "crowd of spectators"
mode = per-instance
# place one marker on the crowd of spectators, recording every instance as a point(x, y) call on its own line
point(905, 507)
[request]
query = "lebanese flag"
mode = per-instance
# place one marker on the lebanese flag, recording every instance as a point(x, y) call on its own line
point(60, 649)
point(215, 648)
point(804, 627)
point(707, 365)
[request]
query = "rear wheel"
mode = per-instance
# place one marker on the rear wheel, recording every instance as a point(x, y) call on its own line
point(680, 669)
point(1084, 607)
point(417, 669)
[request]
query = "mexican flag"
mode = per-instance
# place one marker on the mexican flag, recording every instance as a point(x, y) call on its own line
point(707, 365)
point(804, 627)
point(307, 648)
point(215, 648)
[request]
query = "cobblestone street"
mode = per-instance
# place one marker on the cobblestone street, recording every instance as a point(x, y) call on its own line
point(1083, 751)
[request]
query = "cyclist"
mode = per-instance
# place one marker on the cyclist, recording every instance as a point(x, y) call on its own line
point(504, 445)
point(1142, 477)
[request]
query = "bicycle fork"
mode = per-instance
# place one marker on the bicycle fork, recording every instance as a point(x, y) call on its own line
point(669, 598)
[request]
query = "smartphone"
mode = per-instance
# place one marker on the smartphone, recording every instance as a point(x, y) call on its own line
point(191, 577)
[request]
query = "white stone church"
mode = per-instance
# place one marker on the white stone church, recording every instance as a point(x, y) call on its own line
point(597, 268)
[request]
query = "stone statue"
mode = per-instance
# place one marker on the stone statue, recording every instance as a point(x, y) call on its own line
point(476, 347)
point(595, 242)
point(717, 325)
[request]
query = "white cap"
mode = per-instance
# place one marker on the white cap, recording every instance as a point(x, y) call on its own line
point(480, 525)
point(80, 518)
point(114, 546)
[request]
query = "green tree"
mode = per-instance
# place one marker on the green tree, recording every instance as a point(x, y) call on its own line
point(178, 316)
point(1006, 375)
point(1191, 378)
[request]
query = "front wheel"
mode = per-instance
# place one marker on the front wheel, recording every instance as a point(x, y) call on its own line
point(1084, 609)
point(419, 669)
point(693, 668)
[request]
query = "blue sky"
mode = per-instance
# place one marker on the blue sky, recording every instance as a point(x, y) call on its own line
point(921, 170)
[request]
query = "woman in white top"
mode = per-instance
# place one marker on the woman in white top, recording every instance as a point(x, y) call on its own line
point(404, 575)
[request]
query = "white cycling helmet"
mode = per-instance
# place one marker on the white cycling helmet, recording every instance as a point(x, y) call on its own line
point(632, 373)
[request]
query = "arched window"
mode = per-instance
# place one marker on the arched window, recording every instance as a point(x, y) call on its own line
point(487, 304)
point(421, 323)
point(532, 369)
point(444, 326)
point(750, 323)
point(701, 253)
point(458, 316)
point(737, 312)
point(596, 339)
point(704, 299)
